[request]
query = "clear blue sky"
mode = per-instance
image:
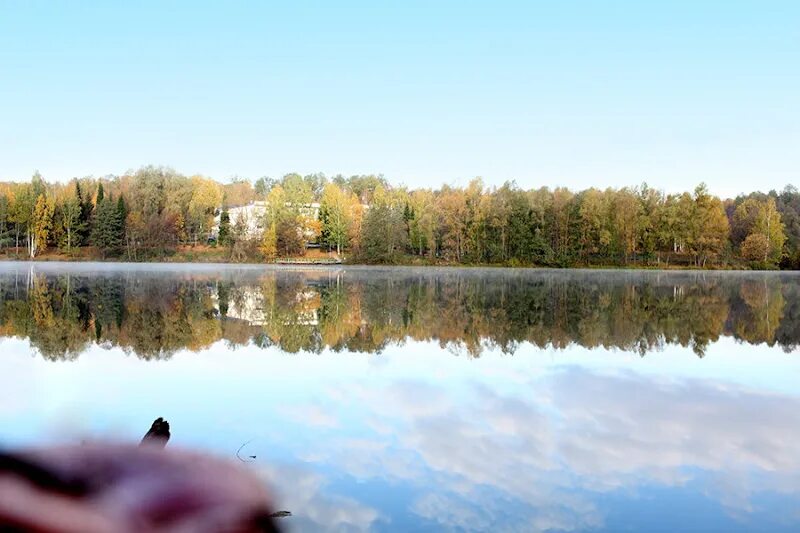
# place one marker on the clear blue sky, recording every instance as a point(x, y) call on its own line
point(575, 93)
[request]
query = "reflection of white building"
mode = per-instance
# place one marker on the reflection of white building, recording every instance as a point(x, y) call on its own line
point(307, 313)
point(248, 304)
point(252, 216)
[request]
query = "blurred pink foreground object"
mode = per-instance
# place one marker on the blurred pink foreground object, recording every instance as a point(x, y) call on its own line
point(100, 487)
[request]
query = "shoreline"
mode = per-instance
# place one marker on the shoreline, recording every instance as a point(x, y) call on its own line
point(279, 265)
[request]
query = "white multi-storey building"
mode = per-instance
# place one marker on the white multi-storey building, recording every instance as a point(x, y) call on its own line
point(252, 216)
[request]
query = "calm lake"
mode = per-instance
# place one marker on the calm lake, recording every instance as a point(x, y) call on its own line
point(429, 399)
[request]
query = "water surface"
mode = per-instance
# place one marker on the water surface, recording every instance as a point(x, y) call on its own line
point(430, 399)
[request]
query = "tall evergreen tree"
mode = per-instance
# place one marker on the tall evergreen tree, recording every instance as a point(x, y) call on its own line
point(224, 237)
point(122, 211)
point(84, 226)
point(107, 233)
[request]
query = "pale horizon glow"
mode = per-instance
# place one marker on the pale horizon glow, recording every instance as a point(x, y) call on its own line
point(574, 94)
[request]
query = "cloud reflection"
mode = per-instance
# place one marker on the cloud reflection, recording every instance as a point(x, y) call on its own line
point(564, 439)
point(313, 507)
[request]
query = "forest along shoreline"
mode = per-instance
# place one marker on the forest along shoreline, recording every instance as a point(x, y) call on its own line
point(208, 255)
point(157, 214)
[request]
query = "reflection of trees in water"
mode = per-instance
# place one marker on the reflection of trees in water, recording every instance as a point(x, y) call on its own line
point(154, 317)
point(788, 332)
point(762, 313)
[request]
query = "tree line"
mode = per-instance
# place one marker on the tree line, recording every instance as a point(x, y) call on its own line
point(156, 316)
point(151, 212)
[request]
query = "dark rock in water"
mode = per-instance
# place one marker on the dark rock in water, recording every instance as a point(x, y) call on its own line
point(158, 434)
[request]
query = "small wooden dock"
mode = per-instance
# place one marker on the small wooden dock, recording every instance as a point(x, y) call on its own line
point(308, 261)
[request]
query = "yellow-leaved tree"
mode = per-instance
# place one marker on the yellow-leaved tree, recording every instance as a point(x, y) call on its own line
point(759, 224)
point(269, 242)
point(41, 224)
point(206, 198)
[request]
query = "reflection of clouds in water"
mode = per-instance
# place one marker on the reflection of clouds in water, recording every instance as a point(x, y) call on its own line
point(313, 415)
point(480, 511)
point(313, 508)
point(17, 383)
point(692, 423)
point(566, 436)
point(622, 430)
point(417, 399)
point(488, 451)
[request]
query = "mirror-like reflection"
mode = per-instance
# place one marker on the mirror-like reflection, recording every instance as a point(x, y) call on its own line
point(576, 432)
point(359, 310)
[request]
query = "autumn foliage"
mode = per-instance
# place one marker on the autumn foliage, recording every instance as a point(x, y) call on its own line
point(149, 213)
